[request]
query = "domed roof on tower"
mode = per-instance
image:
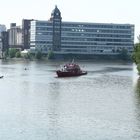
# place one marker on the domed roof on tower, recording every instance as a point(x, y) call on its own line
point(56, 12)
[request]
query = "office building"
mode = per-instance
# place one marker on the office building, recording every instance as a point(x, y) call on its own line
point(15, 36)
point(26, 33)
point(5, 38)
point(2, 28)
point(81, 37)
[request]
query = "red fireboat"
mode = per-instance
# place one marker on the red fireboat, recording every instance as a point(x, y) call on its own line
point(69, 70)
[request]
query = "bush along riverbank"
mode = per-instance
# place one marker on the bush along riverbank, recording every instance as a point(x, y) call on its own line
point(38, 55)
point(136, 56)
point(13, 53)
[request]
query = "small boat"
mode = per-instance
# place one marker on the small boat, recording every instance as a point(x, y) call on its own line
point(71, 69)
point(1, 76)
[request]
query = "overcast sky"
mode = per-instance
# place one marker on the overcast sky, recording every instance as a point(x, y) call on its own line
point(96, 11)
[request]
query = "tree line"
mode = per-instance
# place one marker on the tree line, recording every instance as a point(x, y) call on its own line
point(16, 53)
point(136, 54)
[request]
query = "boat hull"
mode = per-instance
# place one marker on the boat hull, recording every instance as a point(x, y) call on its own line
point(69, 74)
point(1, 76)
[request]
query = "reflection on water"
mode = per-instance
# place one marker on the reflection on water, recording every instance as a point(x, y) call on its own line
point(36, 105)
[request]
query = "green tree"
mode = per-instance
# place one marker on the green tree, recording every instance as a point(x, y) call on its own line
point(27, 55)
point(124, 54)
point(5, 54)
point(12, 52)
point(50, 54)
point(136, 55)
point(38, 55)
point(18, 54)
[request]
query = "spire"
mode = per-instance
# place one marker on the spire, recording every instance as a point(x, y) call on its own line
point(56, 12)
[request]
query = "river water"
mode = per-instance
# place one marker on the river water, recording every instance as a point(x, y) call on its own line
point(36, 105)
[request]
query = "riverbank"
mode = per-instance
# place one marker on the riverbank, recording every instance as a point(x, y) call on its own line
point(70, 57)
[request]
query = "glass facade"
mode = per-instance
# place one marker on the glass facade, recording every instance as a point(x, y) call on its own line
point(96, 38)
point(84, 38)
point(41, 35)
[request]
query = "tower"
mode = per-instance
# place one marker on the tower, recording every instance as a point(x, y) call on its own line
point(56, 22)
point(26, 25)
